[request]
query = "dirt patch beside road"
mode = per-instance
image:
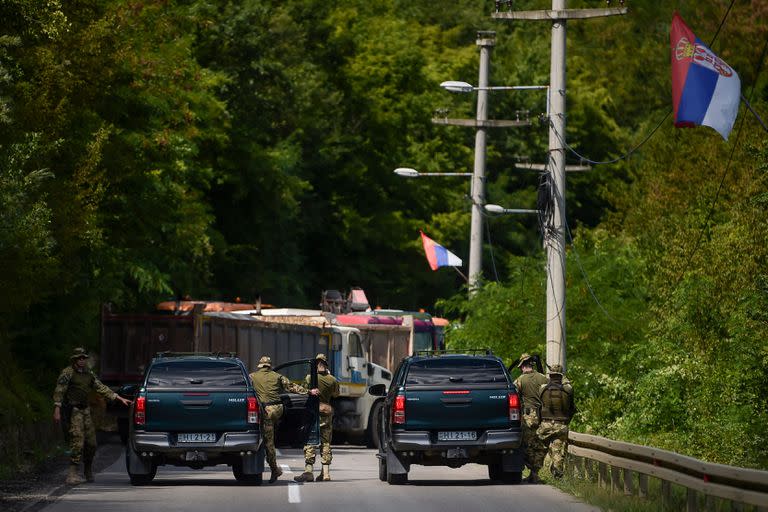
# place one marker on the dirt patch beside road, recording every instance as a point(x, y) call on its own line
point(31, 490)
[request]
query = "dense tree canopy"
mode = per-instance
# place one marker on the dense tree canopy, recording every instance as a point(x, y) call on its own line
point(162, 148)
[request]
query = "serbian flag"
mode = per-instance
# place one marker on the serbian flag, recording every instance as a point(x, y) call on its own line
point(437, 255)
point(705, 90)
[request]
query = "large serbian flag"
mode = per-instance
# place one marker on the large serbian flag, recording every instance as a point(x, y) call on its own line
point(437, 255)
point(705, 90)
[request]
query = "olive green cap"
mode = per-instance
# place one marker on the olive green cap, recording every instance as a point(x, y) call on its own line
point(524, 357)
point(556, 369)
point(78, 353)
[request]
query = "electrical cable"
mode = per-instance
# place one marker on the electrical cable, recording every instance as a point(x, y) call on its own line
point(586, 278)
point(727, 166)
point(647, 138)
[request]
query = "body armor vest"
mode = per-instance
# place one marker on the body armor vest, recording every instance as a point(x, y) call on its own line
point(556, 402)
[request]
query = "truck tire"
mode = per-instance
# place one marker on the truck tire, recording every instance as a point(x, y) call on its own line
point(372, 433)
point(122, 429)
point(397, 478)
point(382, 469)
point(139, 478)
point(512, 477)
point(237, 471)
point(494, 471)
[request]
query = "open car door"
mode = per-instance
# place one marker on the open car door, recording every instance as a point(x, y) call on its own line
point(300, 424)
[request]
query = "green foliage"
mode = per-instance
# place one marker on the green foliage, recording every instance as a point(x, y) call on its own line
point(245, 148)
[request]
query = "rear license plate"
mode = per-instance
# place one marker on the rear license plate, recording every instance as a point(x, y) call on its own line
point(469, 435)
point(196, 438)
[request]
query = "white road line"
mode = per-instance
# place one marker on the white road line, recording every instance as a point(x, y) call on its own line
point(294, 489)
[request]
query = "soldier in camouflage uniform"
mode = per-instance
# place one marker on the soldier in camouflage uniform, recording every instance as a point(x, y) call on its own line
point(268, 385)
point(528, 385)
point(74, 385)
point(329, 388)
point(557, 408)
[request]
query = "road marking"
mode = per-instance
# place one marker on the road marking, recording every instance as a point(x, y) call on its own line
point(294, 489)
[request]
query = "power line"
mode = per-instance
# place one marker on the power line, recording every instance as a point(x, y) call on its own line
point(727, 166)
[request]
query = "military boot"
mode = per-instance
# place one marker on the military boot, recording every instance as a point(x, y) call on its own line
point(306, 476)
point(325, 476)
point(276, 472)
point(73, 477)
point(88, 470)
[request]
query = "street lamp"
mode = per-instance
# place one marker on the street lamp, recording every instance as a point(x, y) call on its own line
point(495, 208)
point(407, 172)
point(464, 87)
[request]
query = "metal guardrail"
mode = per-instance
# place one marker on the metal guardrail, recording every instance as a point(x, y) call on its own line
point(739, 485)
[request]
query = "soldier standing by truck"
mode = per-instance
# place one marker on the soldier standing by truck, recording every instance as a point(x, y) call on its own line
point(528, 385)
point(268, 385)
point(73, 386)
point(329, 388)
point(557, 408)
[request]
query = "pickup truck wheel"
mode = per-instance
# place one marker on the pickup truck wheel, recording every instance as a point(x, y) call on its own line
point(396, 478)
point(141, 479)
point(372, 433)
point(122, 430)
point(382, 469)
point(138, 478)
point(237, 471)
point(512, 477)
point(494, 471)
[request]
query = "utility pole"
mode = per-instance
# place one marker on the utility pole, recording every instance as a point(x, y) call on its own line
point(554, 230)
point(486, 41)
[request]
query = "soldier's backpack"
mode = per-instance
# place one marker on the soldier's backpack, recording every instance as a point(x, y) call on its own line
point(556, 401)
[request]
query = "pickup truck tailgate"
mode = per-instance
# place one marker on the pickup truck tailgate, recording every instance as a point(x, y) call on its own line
point(458, 408)
point(445, 393)
point(196, 411)
point(196, 396)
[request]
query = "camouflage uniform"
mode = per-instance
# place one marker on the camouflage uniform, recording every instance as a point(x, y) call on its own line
point(556, 411)
point(268, 385)
point(528, 385)
point(329, 388)
point(73, 388)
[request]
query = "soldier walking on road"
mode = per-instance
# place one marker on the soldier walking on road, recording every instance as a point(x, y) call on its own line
point(329, 388)
point(73, 386)
point(557, 408)
point(528, 385)
point(268, 385)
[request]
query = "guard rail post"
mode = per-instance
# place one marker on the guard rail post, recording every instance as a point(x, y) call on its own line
point(704, 482)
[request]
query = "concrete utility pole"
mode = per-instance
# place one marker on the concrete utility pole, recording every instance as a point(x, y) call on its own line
point(486, 41)
point(554, 231)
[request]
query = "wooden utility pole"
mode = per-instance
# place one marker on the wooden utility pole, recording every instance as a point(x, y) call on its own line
point(554, 230)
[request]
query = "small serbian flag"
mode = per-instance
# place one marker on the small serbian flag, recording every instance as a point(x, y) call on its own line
point(705, 90)
point(437, 255)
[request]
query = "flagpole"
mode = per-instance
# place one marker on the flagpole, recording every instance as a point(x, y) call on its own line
point(461, 274)
point(754, 113)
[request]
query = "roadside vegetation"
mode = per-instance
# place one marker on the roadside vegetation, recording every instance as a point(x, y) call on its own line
point(152, 150)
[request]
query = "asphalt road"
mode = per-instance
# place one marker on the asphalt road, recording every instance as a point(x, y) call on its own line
point(355, 486)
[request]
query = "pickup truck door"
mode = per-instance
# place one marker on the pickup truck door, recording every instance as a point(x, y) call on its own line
point(300, 424)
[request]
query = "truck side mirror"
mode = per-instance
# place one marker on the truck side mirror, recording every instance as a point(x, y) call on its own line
point(378, 390)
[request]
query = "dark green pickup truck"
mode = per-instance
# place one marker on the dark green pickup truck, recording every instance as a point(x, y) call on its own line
point(450, 410)
point(201, 410)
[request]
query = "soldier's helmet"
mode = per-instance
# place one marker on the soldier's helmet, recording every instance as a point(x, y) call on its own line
point(524, 357)
point(556, 369)
point(264, 361)
point(321, 357)
point(78, 353)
